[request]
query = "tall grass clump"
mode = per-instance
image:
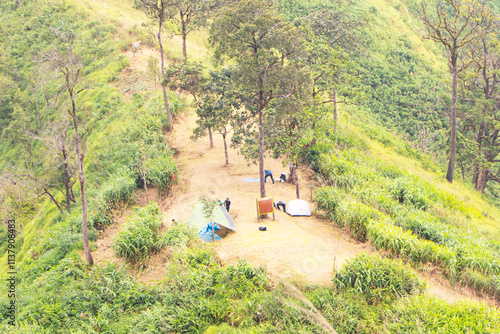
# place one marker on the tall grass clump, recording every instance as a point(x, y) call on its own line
point(380, 280)
point(179, 234)
point(409, 190)
point(139, 238)
point(385, 235)
point(328, 199)
point(355, 216)
point(426, 314)
point(481, 282)
point(116, 192)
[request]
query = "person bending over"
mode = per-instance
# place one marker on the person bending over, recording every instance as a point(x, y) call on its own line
point(268, 174)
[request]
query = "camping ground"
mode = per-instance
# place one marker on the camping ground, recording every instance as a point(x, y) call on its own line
point(302, 249)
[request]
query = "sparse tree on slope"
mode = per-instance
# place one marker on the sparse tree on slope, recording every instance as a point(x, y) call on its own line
point(69, 66)
point(481, 89)
point(455, 24)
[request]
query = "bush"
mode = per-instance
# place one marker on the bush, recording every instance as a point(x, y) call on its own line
point(327, 199)
point(409, 191)
point(179, 234)
point(356, 217)
point(117, 191)
point(139, 238)
point(160, 171)
point(380, 280)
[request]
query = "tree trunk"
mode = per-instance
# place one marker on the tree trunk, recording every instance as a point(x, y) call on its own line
point(145, 188)
point(183, 32)
point(30, 150)
point(482, 180)
point(225, 149)
point(67, 178)
point(165, 97)
point(335, 116)
point(453, 121)
point(296, 178)
point(53, 199)
point(211, 137)
point(261, 147)
point(479, 141)
point(38, 113)
point(81, 178)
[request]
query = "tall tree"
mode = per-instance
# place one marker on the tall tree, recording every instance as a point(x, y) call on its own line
point(159, 11)
point(268, 54)
point(456, 24)
point(331, 40)
point(68, 65)
point(481, 116)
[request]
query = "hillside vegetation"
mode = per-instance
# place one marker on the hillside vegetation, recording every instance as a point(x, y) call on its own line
point(372, 172)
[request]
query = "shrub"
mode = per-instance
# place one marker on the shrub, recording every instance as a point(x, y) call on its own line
point(140, 237)
point(409, 191)
point(160, 170)
point(327, 200)
point(378, 279)
point(117, 191)
point(179, 234)
point(356, 217)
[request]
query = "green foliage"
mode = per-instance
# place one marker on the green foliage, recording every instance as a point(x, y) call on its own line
point(399, 242)
point(356, 217)
point(116, 192)
point(424, 314)
point(178, 234)
point(409, 191)
point(327, 199)
point(484, 283)
point(380, 280)
point(139, 238)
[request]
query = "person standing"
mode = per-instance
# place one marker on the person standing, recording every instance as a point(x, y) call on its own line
point(227, 203)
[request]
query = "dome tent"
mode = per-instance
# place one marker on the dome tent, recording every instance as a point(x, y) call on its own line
point(298, 208)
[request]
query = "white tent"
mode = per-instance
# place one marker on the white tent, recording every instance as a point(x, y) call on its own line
point(298, 208)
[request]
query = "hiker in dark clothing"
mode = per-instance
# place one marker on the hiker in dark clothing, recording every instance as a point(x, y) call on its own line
point(227, 203)
point(283, 177)
point(268, 173)
point(282, 204)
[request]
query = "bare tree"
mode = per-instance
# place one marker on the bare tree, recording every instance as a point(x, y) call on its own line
point(69, 66)
point(57, 155)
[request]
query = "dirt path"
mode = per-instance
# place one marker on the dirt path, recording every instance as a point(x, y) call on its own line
point(305, 248)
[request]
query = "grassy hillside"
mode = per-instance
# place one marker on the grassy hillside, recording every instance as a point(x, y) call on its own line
point(367, 180)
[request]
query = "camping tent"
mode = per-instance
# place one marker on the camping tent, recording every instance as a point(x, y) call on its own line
point(223, 223)
point(298, 208)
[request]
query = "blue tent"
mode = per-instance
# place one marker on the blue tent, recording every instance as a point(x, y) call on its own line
point(206, 233)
